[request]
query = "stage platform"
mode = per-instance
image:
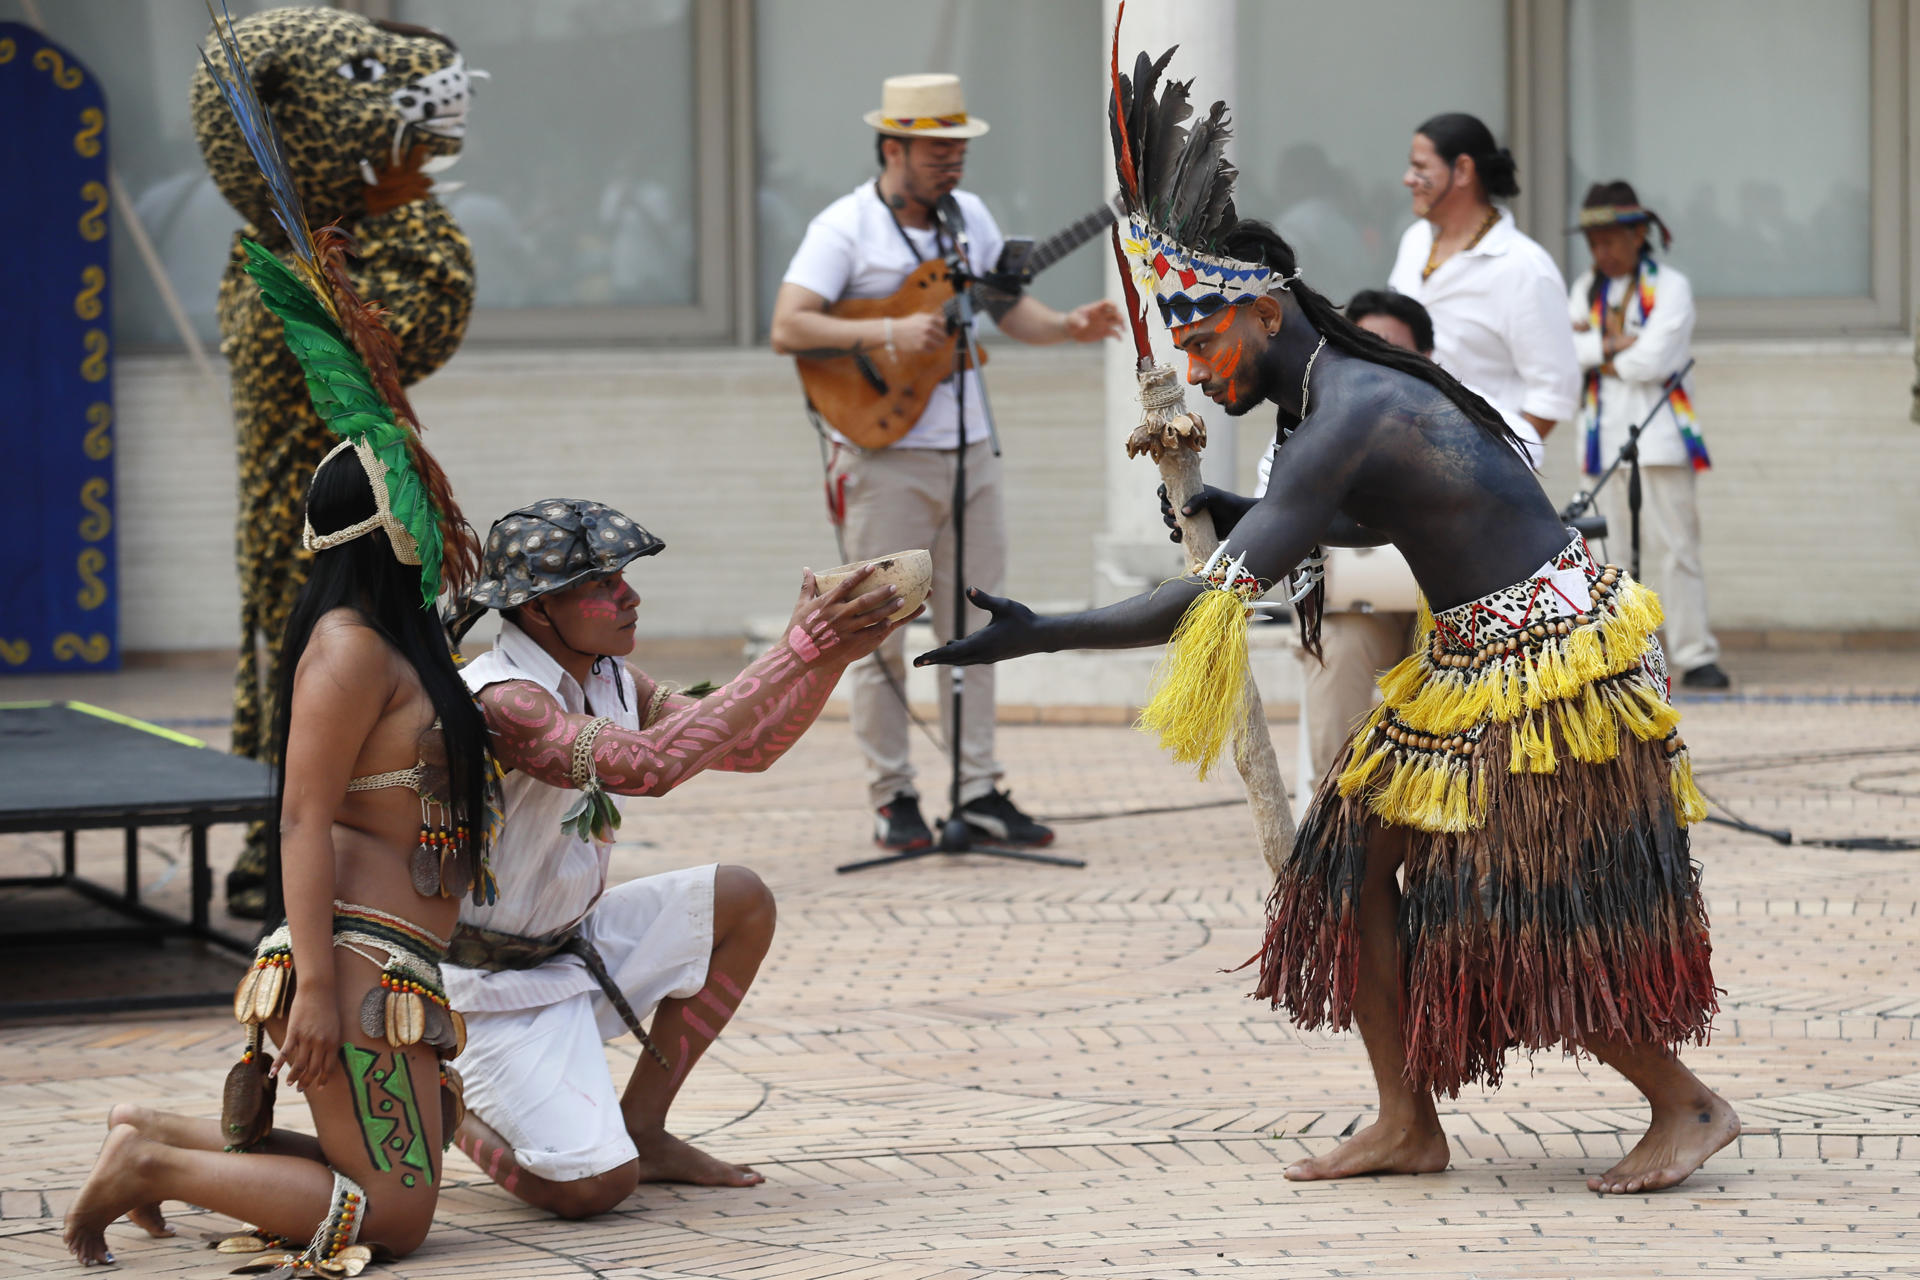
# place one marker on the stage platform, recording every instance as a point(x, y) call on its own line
point(69, 767)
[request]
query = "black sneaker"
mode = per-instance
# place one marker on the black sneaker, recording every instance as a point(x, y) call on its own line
point(994, 816)
point(1709, 676)
point(899, 827)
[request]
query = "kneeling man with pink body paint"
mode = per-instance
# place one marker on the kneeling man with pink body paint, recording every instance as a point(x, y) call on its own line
point(560, 962)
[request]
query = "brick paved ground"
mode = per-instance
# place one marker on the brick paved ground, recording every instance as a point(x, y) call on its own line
point(971, 1069)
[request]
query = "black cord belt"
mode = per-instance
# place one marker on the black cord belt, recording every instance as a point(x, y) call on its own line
point(489, 949)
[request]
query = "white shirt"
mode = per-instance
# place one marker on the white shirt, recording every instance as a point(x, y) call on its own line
point(853, 249)
point(1498, 322)
point(549, 878)
point(1662, 343)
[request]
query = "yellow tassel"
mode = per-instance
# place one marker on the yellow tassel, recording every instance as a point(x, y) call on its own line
point(1403, 682)
point(1457, 816)
point(1638, 610)
point(1391, 802)
point(1533, 750)
point(1586, 660)
point(1557, 671)
point(1360, 772)
point(1544, 760)
point(1433, 809)
point(1689, 806)
point(1506, 692)
point(1517, 758)
point(1602, 728)
point(1573, 732)
point(1364, 763)
point(1199, 698)
point(1661, 714)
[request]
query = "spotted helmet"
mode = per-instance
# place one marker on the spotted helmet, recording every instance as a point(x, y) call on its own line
point(549, 546)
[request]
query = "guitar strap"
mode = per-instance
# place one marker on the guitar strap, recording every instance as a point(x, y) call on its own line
point(939, 241)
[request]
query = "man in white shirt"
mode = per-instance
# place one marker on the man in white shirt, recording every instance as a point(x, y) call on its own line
point(864, 245)
point(560, 962)
point(1632, 332)
point(1493, 292)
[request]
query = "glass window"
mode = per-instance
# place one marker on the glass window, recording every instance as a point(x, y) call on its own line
point(1766, 185)
point(1027, 68)
point(1329, 97)
point(578, 170)
point(144, 54)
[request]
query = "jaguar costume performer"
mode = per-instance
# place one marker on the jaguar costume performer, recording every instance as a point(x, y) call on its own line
point(367, 112)
point(1525, 776)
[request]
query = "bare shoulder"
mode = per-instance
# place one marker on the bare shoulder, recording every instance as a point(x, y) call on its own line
point(345, 649)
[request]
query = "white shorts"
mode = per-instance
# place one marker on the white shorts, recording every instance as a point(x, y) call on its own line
point(539, 1077)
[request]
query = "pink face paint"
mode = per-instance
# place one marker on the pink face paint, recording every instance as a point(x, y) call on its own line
point(693, 1021)
point(599, 610)
point(715, 1003)
point(729, 986)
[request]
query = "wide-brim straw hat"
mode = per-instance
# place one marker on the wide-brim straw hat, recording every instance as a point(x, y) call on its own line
point(1617, 204)
point(924, 106)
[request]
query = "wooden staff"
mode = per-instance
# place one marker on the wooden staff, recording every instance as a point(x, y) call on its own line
point(1173, 438)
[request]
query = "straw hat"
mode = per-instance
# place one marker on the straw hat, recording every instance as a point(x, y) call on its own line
point(1616, 204)
point(924, 106)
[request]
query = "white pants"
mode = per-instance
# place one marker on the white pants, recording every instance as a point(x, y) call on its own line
point(1670, 526)
point(900, 500)
point(538, 1075)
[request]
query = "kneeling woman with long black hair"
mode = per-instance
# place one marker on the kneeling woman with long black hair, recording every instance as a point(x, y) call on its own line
point(384, 811)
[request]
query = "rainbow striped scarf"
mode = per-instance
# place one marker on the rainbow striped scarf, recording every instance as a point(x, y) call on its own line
point(1644, 284)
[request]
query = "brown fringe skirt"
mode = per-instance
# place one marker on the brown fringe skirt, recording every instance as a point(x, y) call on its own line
point(1529, 755)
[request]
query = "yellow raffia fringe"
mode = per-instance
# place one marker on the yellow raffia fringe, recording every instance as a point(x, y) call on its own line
point(1199, 695)
point(1426, 794)
point(1689, 806)
point(1370, 751)
point(1560, 686)
point(1443, 701)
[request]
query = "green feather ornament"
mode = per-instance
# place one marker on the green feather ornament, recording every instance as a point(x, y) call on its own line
point(346, 399)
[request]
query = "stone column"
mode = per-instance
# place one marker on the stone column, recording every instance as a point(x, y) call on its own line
point(1132, 553)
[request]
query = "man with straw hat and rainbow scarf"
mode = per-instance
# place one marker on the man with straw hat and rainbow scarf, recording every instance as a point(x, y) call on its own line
point(1633, 331)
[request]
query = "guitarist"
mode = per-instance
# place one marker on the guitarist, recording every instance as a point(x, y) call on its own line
point(864, 245)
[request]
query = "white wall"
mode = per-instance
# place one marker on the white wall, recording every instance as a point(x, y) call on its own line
point(1809, 510)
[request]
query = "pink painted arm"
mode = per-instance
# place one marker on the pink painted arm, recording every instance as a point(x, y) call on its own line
point(745, 725)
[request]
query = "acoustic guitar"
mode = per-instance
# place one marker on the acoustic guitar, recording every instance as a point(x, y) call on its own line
point(873, 398)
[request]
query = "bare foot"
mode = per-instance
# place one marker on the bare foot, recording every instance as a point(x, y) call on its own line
point(665, 1158)
point(1378, 1149)
point(1674, 1146)
point(152, 1125)
point(113, 1186)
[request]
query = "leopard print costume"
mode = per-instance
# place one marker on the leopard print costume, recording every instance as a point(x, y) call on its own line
point(362, 107)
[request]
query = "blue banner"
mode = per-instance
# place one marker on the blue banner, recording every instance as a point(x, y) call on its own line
point(59, 597)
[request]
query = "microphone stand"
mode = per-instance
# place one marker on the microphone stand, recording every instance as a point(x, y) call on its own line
point(955, 836)
point(1629, 454)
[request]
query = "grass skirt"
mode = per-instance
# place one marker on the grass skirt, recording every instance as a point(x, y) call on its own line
point(1529, 753)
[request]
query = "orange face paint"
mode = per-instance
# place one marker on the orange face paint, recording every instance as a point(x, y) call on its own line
point(1212, 358)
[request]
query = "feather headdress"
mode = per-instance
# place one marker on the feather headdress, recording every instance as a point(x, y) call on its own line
point(347, 354)
point(1178, 188)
